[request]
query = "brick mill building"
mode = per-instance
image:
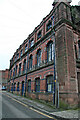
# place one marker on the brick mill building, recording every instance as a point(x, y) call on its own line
point(32, 65)
point(4, 76)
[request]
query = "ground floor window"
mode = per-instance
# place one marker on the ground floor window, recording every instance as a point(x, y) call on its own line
point(18, 86)
point(29, 85)
point(14, 86)
point(37, 85)
point(50, 83)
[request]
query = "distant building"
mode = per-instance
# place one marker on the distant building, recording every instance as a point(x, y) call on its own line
point(4, 74)
point(33, 69)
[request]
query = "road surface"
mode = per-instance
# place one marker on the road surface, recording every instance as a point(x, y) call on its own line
point(12, 108)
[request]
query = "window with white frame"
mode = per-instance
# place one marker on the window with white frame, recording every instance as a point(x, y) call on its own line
point(32, 42)
point(49, 81)
point(39, 57)
point(50, 51)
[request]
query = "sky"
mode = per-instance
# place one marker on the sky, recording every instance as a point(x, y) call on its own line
point(18, 18)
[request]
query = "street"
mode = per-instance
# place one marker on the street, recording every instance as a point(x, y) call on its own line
point(12, 108)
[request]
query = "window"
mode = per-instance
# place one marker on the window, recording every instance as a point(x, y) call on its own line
point(49, 25)
point(30, 62)
point(14, 86)
point(25, 47)
point(39, 34)
point(49, 83)
point(17, 56)
point(37, 85)
point(29, 85)
point(16, 69)
point(19, 68)
point(79, 48)
point(39, 57)
point(14, 72)
point(18, 86)
point(21, 52)
point(32, 42)
point(50, 50)
point(75, 51)
point(24, 66)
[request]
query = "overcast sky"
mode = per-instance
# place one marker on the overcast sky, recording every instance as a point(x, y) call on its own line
point(18, 18)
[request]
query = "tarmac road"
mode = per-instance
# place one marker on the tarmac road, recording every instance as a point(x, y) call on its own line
point(12, 108)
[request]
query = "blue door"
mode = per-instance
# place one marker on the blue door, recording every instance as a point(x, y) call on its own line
point(22, 88)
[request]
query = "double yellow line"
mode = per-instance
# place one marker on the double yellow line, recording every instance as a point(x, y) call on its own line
point(30, 107)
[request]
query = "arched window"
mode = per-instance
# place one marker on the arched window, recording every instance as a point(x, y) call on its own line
point(29, 85)
point(50, 49)
point(50, 83)
point(24, 66)
point(37, 85)
point(14, 86)
point(79, 48)
point(30, 62)
point(38, 57)
point(18, 86)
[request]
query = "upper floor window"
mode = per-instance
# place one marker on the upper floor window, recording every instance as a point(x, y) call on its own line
point(49, 25)
point(79, 48)
point(37, 85)
point(25, 47)
point(30, 62)
point(50, 84)
point(24, 66)
point(32, 42)
point(14, 72)
point(50, 50)
point(19, 68)
point(39, 34)
point(29, 85)
point(39, 57)
point(21, 52)
point(16, 69)
point(17, 56)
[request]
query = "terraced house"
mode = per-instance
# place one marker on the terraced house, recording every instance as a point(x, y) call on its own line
point(50, 55)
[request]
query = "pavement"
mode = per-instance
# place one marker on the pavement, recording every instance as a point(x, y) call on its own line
point(61, 115)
